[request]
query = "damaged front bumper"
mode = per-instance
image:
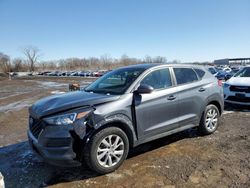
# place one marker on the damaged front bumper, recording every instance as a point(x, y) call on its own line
point(55, 144)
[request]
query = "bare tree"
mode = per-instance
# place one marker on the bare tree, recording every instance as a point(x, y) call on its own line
point(18, 65)
point(160, 59)
point(176, 61)
point(148, 59)
point(92, 63)
point(32, 54)
point(124, 60)
point(43, 66)
point(106, 61)
point(5, 65)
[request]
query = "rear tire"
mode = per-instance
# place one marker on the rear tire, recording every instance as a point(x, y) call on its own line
point(209, 120)
point(106, 150)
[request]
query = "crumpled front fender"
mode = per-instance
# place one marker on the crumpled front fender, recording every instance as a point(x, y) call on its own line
point(122, 121)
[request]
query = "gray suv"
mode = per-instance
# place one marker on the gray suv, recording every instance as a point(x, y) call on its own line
point(123, 109)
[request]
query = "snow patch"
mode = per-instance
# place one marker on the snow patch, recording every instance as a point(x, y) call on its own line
point(17, 93)
point(15, 106)
point(1, 181)
point(57, 92)
point(228, 112)
point(51, 84)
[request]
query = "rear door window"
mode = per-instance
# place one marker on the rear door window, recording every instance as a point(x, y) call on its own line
point(158, 79)
point(185, 75)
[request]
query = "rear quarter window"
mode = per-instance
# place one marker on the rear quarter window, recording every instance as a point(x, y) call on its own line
point(200, 73)
point(185, 75)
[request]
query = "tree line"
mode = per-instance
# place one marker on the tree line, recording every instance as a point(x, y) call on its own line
point(32, 62)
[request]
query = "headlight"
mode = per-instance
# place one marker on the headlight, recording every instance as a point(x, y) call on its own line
point(65, 119)
point(226, 85)
point(61, 119)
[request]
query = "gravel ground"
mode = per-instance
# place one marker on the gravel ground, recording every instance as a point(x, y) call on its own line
point(181, 160)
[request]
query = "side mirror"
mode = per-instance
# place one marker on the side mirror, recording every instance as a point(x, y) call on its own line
point(144, 89)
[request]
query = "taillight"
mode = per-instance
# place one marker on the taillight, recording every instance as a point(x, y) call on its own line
point(219, 82)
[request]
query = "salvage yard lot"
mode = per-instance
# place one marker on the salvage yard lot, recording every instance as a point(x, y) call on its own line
point(181, 160)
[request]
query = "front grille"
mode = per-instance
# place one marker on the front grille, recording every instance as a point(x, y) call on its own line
point(245, 89)
point(35, 127)
point(58, 142)
point(238, 99)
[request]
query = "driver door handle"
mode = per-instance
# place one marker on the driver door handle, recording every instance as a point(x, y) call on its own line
point(171, 97)
point(202, 89)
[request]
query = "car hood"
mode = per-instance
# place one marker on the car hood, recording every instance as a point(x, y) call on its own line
point(62, 102)
point(239, 81)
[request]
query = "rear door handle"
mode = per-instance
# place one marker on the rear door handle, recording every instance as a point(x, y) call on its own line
point(202, 89)
point(171, 97)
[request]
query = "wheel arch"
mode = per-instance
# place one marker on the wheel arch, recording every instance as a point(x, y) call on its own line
point(121, 121)
point(217, 104)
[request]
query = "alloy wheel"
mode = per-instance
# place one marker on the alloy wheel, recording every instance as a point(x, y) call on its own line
point(211, 119)
point(110, 151)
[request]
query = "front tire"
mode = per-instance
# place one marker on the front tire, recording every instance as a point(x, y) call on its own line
point(106, 150)
point(209, 120)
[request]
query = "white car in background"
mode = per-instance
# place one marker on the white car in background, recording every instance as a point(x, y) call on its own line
point(237, 88)
point(227, 69)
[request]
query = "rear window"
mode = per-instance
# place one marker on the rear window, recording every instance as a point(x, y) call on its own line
point(200, 72)
point(185, 75)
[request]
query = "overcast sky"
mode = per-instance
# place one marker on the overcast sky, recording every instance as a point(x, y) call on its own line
point(192, 30)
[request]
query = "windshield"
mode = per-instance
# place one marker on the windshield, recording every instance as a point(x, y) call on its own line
point(245, 72)
point(115, 82)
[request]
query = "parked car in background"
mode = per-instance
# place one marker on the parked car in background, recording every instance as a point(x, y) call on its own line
point(88, 73)
point(59, 73)
point(102, 72)
point(219, 73)
point(40, 73)
point(95, 74)
point(51, 74)
point(46, 73)
point(83, 73)
point(74, 73)
point(68, 73)
point(14, 74)
point(222, 75)
point(30, 74)
point(122, 109)
point(54, 73)
point(64, 73)
point(235, 69)
point(237, 88)
point(212, 70)
point(218, 68)
point(227, 69)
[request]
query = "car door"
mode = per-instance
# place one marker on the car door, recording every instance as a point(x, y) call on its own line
point(156, 112)
point(191, 96)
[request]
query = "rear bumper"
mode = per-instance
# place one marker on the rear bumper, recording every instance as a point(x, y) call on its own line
point(62, 155)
